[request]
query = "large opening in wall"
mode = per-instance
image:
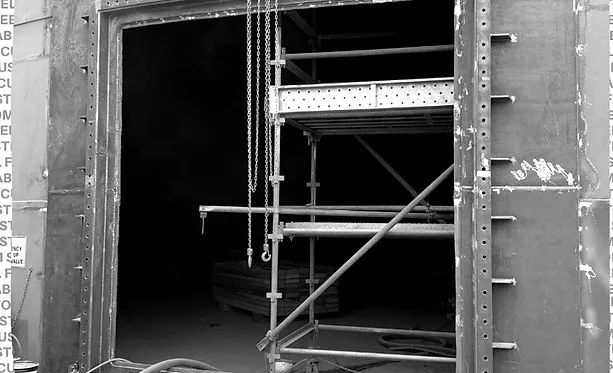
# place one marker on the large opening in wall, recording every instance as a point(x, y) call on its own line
point(183, 144)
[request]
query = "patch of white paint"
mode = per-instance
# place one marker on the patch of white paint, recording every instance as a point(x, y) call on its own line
point(543, 169)
point(586, 204)
point(483, 174)
point(456, 115)
point(589, 271)
point(587, 325)
point(457, 12)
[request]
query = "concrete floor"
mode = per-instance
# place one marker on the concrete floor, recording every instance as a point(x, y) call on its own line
point(154, 330)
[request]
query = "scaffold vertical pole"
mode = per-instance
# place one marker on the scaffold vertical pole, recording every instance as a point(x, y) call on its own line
point(276, 185)
point(312, 363)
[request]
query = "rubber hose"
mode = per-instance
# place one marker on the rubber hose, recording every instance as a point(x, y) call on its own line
point(418, 346)
point(180, 362)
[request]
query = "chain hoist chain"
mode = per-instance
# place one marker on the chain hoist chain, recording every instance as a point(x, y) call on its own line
point(267, 78)
point(252, 167)
point(23, 297)
point(257, 99)
point(249, 186)
point(267, 147)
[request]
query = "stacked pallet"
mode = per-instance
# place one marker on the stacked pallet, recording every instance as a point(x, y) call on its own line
point(236, 285)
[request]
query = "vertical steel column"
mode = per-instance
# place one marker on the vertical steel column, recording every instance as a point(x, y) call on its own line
point(312, 364)
point(276, 185)
point(275, 237)
point(482, 227)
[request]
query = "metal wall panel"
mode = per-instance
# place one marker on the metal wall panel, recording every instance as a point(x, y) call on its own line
point(66, 158)
point(539, 250)
point(539, 70)
point(542, 176)
point(30, 96)
point(592, 19)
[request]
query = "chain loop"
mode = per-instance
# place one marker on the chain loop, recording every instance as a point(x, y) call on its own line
point(23, 298)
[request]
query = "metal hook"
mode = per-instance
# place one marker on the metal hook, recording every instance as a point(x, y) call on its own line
point(266, 256)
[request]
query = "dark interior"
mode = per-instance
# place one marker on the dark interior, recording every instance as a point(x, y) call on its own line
point(184, 144)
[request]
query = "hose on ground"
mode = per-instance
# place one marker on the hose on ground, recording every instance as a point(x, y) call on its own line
point(162, 365)
point(418, 346)
point(180, 362)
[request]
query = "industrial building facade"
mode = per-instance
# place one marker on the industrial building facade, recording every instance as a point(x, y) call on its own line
point(127, 116)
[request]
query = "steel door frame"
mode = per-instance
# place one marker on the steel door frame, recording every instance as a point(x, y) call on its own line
point(102, 192)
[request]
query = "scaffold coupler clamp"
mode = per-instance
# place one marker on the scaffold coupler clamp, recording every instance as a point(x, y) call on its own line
point(280, 63)
point(265, 341)
point(311, 138)
point(274, 179)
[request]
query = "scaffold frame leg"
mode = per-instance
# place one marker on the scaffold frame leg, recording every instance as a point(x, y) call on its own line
point(311, 362)
point(273, 333)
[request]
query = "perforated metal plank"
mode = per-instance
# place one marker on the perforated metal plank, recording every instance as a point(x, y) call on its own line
point(364, 96)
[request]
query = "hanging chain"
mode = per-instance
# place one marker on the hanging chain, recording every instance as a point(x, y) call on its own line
point(249, 180)
point(267, 148)
point(267, 126)
point(257, 99)
point(23, 298)
point(252, 167)
point(268, 139)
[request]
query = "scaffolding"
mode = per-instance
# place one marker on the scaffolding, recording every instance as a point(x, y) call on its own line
point(350, 109)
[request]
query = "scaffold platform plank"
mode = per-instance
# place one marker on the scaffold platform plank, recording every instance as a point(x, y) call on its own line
point(335, 229)
point(361, 108)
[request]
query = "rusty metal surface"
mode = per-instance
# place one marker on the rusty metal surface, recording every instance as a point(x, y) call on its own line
point(539, 70)
point(594, 211)
point(592, 103)
point(115, 5)
point(463, 185)
point(540, 134)
point(541, 252)
point(594, 259)
point(482, 208)
point(66, 161)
